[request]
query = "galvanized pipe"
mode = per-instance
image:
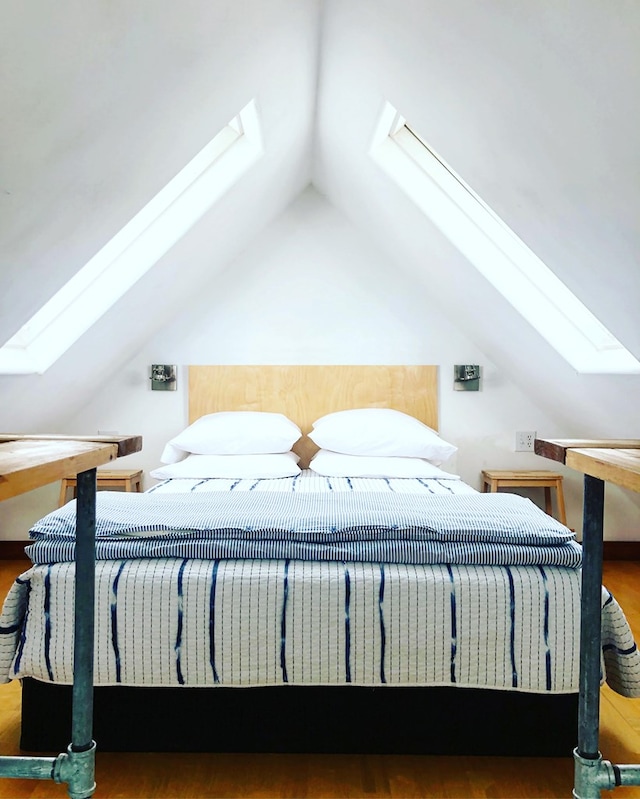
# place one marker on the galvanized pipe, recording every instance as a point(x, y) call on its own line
point(27, 768)
point(82, 708)
point(591, 623)
point(626, 775)
point(591, 776)
point(77, 769)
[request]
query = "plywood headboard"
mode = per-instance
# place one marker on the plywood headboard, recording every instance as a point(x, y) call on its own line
point(304, 393)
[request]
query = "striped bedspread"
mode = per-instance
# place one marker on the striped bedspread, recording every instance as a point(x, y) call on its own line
point(244, 623)
point(372, 526)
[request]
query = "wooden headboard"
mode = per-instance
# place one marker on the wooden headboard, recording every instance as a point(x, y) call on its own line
point(304, 393)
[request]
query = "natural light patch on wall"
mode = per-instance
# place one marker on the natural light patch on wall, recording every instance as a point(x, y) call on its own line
point(494, 249)
point(135, 248)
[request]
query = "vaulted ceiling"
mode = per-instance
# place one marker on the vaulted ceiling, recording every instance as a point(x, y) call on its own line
point(535, 104)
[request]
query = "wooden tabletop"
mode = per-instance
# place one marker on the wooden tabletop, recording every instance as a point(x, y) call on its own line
point(613, 460)
point(126, 445)
point(28, 462)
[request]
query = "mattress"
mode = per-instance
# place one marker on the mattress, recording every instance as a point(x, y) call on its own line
point(264, 621)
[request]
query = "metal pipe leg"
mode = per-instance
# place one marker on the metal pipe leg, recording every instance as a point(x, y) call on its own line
point(587, 755)
point(76, 766)
point(81, 778)
point(591, 623)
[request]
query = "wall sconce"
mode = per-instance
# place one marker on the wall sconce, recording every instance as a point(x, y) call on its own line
point(466, 377)
point(163, 377)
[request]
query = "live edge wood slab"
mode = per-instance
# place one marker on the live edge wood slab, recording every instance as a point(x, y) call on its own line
point(28, 462)
point(612, 460)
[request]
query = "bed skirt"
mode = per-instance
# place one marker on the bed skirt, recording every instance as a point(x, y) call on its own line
point(294, 719)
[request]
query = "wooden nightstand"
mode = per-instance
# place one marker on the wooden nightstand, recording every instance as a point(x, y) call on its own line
point(493, 479)
point(107, 480)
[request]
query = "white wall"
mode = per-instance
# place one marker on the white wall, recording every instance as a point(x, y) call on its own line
point(512, 97)
point(312, 289)
point(78, 167)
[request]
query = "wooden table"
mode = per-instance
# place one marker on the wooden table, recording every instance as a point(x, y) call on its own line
point(28, 462)
point(600, 460)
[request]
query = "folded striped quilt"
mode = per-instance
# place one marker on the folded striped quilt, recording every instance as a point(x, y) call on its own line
point(372, 527)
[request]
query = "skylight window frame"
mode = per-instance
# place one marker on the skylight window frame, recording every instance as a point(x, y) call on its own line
point(496, 251)
point(135, 248)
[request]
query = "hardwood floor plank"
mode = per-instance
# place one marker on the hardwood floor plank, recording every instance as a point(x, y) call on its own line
point(627, 709)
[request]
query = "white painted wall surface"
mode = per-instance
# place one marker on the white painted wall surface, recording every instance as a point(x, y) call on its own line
point(313, 289)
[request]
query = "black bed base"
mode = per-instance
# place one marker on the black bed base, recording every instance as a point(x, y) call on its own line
point(341, 719)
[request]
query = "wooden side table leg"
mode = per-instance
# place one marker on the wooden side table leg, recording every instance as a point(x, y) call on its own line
point(63, 493)
point(562, 513)
point(547, 501)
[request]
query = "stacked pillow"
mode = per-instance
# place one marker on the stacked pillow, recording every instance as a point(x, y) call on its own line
point(252, 444)
point(377, 442)
point(364, 442)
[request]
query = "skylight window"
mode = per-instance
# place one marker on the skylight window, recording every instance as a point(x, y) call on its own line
point(495, 250)
point(136, 248)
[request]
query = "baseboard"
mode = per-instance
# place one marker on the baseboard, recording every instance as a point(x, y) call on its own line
point(13, 550)
point(621, 550)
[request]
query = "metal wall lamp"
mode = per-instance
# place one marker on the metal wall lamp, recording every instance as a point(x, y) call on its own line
point(163, 377)
point(466, 377)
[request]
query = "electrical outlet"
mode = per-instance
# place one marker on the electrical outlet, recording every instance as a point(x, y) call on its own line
point(524, 440)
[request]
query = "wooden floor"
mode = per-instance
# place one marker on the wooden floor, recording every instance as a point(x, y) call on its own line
point(143, 776)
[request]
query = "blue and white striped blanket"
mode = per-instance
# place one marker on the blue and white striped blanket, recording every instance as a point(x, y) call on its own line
point(372, 527)
point(270, 622)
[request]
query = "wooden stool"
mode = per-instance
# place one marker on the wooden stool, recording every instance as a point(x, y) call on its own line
point(493, 479)
point(108, 480)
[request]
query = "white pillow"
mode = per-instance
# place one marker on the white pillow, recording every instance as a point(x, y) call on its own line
point(335, 464)
point(233, 433)
point(380, 432)
point(284, 464)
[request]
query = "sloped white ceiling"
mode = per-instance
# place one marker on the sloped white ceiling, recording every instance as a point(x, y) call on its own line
point(536, 105)
point(102, 104)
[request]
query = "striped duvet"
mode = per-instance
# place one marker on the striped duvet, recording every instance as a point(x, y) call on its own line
point(172, 621)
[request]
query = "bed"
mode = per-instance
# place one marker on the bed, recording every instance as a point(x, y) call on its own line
point(424, 635)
